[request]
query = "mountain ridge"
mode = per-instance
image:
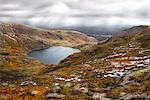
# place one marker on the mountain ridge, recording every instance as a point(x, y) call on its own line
point(47, 37)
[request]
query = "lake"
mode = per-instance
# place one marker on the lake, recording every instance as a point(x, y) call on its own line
point(53, 55)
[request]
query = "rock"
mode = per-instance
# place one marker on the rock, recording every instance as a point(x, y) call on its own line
point(56, 87)
point(77, 87)
point(35, 92)
point(81, 72)
point(100, 96)
point(47, 87)
point(68, 80)
point(68, 84)
point(78, 80)
point(59, 78)
point(86, 65)
point(133, 96)
point(5, 84)
point(56, 84)
point(12, 85)
point(122, 93)
point(34, 84)
point(84, 74)
point(98, 76)
point(25, 83)
point(54, 95)
point(73, 74)
point(83, 90)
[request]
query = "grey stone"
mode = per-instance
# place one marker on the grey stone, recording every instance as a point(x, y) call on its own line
point(54, 95)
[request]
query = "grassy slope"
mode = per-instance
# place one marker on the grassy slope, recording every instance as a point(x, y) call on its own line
point(138, 37)
point(15, 42)
point(17, 67)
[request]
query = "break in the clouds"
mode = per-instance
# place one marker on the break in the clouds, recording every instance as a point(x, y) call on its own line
point(65, 13)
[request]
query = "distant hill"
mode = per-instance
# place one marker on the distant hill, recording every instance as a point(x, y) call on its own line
point(35, 38)
point(99, 32)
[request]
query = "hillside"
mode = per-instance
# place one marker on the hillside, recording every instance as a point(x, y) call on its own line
point(117, 68)
point(34, 38)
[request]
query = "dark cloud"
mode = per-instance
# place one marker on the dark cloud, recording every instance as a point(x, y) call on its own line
point(69, 13)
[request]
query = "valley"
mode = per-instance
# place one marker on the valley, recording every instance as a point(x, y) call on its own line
point(117, 68)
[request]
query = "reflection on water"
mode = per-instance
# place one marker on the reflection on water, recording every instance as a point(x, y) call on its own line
point(53, 55)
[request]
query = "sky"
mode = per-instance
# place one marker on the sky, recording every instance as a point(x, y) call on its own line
point(76, 13)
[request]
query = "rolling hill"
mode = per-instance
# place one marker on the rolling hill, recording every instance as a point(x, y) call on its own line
point(117, 68)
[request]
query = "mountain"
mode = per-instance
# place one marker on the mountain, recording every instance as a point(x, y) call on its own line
point(116, 68)
point(34, 38)
point(135, 37)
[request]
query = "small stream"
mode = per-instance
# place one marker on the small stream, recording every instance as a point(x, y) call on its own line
point(53, 55)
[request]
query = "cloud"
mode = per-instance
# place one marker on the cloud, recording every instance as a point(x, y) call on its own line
point(66, 13)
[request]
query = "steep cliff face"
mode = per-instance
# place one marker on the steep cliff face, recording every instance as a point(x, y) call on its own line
point(34, 38)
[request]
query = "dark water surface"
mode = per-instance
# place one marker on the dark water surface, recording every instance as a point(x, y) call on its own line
point(53, 55)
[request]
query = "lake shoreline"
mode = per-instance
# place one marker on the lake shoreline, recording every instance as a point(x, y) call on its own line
point(53, 55)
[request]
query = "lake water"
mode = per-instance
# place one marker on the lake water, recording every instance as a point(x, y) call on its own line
point(53, 55)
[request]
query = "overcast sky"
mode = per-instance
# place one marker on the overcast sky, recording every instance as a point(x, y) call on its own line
point(66, 13)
